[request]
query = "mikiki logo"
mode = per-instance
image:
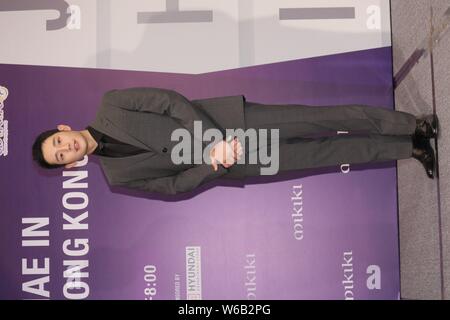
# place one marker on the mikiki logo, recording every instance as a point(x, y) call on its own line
point(3, 123)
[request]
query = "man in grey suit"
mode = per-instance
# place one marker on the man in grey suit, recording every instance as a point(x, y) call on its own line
point(132, 131)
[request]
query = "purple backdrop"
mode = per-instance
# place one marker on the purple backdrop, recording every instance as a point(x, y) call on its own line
point(246, 234)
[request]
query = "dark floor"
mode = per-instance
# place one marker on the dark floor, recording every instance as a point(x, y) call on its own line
point(424, 204)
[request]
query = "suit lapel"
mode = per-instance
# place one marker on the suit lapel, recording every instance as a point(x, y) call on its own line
point(114, 166)
point(118, 169)
point(103, 124)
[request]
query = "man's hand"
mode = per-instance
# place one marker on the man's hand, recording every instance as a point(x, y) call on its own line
point(225, 153)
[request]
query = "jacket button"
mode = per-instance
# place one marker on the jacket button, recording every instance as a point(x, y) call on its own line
point(164, 150)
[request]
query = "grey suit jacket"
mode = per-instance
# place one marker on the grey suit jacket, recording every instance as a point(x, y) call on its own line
point(145, 118)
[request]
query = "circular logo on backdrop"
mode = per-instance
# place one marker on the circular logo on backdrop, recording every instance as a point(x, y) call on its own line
point(3, 94)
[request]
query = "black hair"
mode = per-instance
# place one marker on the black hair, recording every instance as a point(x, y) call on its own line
point(38, 156)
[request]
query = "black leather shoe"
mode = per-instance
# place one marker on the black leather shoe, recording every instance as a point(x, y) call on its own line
point(427, 126)
point(423, 152)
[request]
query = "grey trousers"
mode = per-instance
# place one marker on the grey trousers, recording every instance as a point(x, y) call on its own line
point(375, 134)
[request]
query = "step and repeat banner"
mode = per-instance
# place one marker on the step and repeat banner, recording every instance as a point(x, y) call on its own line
point(327, 233)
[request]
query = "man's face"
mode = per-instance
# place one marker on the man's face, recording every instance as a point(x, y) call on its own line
point(64, 147)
